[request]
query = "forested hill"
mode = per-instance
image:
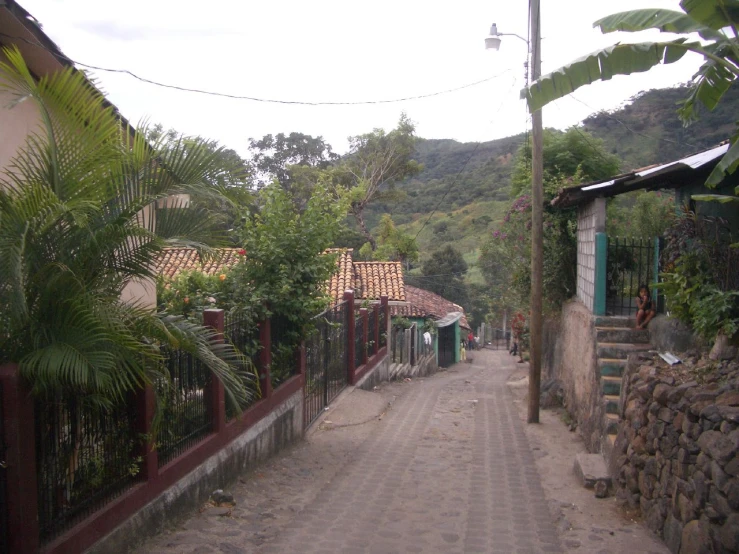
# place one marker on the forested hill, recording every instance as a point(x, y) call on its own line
point(643, 132)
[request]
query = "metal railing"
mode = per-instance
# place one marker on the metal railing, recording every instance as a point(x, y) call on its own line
point(186, 419)
point(359, 344)
point(398, 345)
point(85, 457)
point(371, 344)
point(284, 340)
point(244, 336)
point(326, 360)
point(630, 262)
point(4, 546)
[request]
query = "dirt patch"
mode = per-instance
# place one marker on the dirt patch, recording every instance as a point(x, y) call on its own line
point(585, 523)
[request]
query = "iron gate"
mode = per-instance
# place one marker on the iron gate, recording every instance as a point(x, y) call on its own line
point(498, 339)
point(326, 361)
point(630, 263)
point(447, 346)
point(4, 547)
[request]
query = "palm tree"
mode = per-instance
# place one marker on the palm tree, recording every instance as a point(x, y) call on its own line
point(86, 207)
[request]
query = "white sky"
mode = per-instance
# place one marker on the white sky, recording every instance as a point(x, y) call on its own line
point(338, 50)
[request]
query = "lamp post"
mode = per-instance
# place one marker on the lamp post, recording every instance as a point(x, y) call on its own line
point(537, 211)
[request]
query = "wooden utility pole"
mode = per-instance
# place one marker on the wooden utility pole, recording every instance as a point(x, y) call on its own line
point(537, 227)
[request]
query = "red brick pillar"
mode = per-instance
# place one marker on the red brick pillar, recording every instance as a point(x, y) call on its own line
point(364, 314)
point(20, 461)
point(145, 406)
point(300, 359)
point(215, 319)
point(350, 328)
point(265, 357)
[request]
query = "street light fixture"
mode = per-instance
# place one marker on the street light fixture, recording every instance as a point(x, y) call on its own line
point(537, 208)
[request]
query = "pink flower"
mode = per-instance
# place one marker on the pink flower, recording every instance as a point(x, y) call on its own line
point(242, 252)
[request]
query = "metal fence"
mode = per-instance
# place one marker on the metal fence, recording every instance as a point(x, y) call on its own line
point(4, 547)
point(630, 262)
point(371, 343)
point(496, 339)
point(359, 344)
point(383, 328)
point(326, 360)
point(285, 341)
point(186, 419)
point(244, 336)
point(397, 345)
point(85, 457)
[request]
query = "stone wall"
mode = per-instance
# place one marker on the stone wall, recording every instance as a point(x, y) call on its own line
point(675, 457)
point(590, 220)
point(569, 355)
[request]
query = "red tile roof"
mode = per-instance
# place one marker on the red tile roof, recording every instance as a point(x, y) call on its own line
point(424, 303)
point(375, 279)
point(343, 278)
point(174, 260)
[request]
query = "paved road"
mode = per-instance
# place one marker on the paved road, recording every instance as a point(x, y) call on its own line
point(448, 469)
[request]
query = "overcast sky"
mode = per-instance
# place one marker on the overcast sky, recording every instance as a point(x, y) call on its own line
point(325, 50)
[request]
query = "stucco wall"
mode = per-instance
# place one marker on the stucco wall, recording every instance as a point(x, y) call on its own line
point(569, 354)
point(15, 123)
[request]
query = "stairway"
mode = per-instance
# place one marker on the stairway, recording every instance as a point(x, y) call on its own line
point(616, 338)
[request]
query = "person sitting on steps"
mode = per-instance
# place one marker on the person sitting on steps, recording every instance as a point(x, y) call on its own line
point(646, 308)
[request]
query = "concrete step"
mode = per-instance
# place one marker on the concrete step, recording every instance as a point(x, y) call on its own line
point(625, 335)
point(619, 350)
point(611, 367)
point(591, 468)
point(610, 385)
point(611, 423)
point(611, 402)
point(615, 321)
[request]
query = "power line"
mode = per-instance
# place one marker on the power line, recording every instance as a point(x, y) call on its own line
point(456, 177)
point(609, 116)
point(254, 98)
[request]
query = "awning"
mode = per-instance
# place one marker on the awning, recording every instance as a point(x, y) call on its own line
point(449, 319)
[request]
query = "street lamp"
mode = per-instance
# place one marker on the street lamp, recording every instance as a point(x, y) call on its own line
point(537, 200)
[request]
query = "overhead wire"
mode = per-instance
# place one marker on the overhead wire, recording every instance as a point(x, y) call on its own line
point(254, 98)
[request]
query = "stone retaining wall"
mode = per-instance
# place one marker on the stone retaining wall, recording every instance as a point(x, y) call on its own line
point(675, 456)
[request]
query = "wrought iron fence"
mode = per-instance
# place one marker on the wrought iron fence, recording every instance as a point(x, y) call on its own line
point(85, 457)
point(383, 327)
point(630, 262)
point(4, 546)
point(359, 344)
point(414, 344)
point(371, 343)
point(326, 360)
point(285, 341)
point(497, 339)
point(244, 336)
point(398, 345)
point(186, 418)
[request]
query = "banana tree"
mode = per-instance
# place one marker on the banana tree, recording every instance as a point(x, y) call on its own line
point(86, 207)
point(711, 20)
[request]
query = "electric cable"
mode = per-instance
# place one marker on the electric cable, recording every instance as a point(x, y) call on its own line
point(254, 98)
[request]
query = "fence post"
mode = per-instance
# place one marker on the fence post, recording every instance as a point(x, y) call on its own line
point(145, 406)
point(385, 308)
point(20, 461)
point(301, 358)
point(265, 358)
point(350, 323)
point(656, 303)
point(407, 345)
point(215, 319)
point(599, 293)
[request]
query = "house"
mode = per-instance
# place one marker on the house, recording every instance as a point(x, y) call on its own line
point(369, 280)
point(173, 261)
point(608, 268)
point(449, 317)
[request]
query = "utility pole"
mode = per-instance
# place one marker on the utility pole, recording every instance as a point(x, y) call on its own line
point(537, 227)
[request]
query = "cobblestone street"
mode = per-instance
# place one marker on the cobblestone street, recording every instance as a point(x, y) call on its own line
point(446, 468)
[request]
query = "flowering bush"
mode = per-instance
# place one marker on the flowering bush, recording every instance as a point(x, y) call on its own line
point(191, 292)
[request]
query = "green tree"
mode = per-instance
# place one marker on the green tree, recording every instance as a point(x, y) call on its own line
point(443, 273)
point(708, 18)
point(282, 157)
point(574, 152)
point(393, 244)
point(86, 207)
point(376, 162)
